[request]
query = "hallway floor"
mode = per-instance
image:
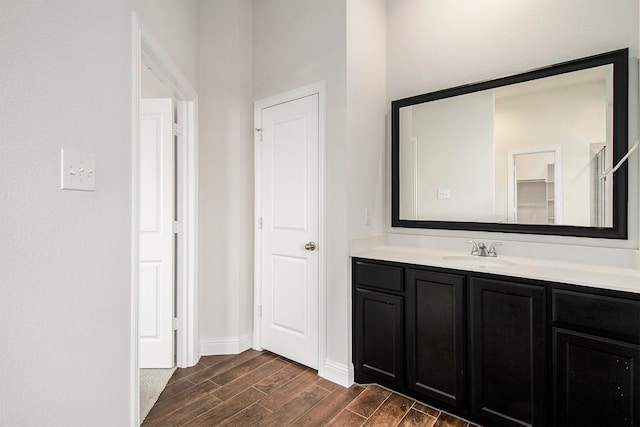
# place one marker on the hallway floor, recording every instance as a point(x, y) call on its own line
point(262, 389)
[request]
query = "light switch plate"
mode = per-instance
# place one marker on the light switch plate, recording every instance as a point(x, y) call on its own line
point(444, 193)
point(77, 170)
point(368, 213)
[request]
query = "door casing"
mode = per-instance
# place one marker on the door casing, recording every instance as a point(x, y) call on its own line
point(145, 47)
point(318, 88)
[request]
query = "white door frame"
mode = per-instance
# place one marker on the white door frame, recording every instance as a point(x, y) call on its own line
point(146, 48)
point(312, 89)
point(557, 185)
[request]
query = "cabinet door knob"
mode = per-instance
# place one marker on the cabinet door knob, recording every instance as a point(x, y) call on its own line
point(310, 246)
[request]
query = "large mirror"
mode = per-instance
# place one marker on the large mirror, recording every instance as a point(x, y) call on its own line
point(526, 153)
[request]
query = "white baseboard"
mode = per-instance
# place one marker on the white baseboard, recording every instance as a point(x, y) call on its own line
point(337, 372)
point(226, 345)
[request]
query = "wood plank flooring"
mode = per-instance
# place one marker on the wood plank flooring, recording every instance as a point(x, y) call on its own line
point(262, 389)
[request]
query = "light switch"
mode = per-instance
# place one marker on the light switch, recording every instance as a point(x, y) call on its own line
point(443, 193)
point(77, 170)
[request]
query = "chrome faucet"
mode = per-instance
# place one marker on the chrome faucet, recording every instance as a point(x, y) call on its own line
point(492, 249)
point(480, 249)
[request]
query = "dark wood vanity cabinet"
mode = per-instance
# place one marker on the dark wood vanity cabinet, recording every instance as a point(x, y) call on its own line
point(507, 351)
point(498, 350)
point(378, 323)
point(596, 359)
point(436, 335)
point(379, 335)
point(596, 380)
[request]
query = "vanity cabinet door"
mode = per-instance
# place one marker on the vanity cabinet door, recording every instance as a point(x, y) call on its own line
point(596, 380)
point(379, 337)
point(508, 351)
point(436, 325)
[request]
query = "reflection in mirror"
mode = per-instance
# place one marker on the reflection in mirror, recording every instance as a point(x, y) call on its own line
point(529, 153)
point(499, 160)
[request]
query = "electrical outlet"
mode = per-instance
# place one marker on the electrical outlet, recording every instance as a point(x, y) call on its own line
point(367, 216)
point(77, 171)
point(443, 193)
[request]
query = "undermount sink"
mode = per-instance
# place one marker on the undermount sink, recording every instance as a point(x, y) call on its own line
point(478, 261)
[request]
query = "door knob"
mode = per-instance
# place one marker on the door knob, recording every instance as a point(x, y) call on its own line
point(310, 246)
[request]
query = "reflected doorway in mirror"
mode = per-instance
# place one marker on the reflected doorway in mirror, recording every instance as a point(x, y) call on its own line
point(535, 186)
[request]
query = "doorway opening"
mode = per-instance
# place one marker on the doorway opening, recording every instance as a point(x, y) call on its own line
point(183, 334)
point(159, 240)
point(535, 189)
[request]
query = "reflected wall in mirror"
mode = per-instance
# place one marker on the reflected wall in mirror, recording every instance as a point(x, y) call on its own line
point(523, 153)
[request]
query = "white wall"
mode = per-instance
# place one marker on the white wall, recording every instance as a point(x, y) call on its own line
point(175, 26)
point(366, 108)
point(65, 257)
point(434, 45)
point(455, 144)
point(225, 176)
point(446, 44)
point(296, 43)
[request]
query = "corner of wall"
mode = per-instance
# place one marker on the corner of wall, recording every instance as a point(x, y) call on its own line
point(225, 345)
point(336, 372)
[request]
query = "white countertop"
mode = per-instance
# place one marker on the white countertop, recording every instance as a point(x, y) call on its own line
point(597, 276)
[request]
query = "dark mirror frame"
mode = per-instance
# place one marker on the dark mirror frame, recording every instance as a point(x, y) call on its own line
point(620, 61)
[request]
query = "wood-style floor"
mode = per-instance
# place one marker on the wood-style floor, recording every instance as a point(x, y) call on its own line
point(262, 389)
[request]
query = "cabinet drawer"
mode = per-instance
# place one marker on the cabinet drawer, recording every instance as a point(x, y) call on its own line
point(602, 313)
point(379, 276)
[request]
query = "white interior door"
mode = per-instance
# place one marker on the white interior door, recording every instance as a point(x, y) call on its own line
point(156, 281)
point(290, 203)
